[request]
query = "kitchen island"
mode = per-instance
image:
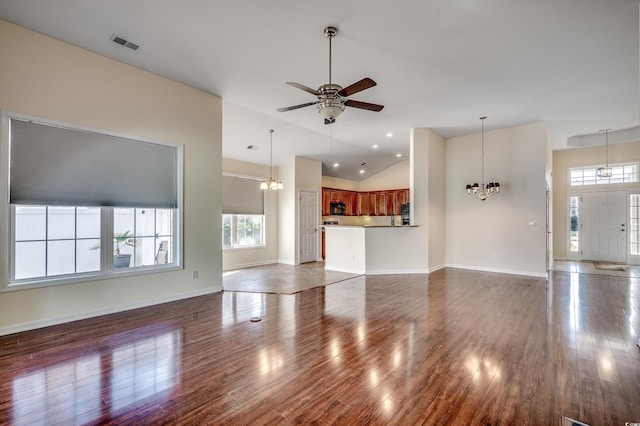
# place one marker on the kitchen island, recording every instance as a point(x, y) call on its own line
point(373, 249)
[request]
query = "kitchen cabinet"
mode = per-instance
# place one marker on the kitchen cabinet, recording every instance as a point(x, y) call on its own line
point(363, 204)
point(352, 203)
point(381, 203)
point(370, 203)
point(326, 202)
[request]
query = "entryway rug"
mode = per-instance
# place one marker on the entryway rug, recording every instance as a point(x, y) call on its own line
point(566, 421)
point(609, 266)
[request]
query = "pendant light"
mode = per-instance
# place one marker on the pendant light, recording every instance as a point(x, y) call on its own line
point(606, 171)
point(482, 191)
point(271, 183)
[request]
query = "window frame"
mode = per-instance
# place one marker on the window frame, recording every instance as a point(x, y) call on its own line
point(602, 181)
point(7, 234)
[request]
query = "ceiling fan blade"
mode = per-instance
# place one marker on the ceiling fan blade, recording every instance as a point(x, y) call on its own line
point(305, 88)
point(356, 87)
point(363, 105)
point(297, 106)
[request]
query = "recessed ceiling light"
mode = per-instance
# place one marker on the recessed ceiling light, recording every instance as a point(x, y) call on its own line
point(398, 155)
point(361, 171)
point(336, 165)
point(389, 134)
point(375, 147)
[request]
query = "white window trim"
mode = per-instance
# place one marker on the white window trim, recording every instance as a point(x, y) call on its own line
point(234, 235)
point(569, 185)
point(6, 237)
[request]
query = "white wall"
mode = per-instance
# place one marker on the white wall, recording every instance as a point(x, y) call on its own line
point(46, 78)
point(506, 233)
point(245, 257)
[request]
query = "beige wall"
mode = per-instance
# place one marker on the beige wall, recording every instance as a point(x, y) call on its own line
point(506, 233)
point(245, 257)
point(46, 78)
point(394, 177)
point(297, 174)
point(581, 157)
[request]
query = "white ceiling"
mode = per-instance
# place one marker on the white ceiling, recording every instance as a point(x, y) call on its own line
point(439, 64)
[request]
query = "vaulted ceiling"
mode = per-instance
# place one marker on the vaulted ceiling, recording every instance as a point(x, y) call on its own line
point(441, 64)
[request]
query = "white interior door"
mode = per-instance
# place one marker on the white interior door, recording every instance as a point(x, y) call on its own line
point(604, 223)
point(308, 220)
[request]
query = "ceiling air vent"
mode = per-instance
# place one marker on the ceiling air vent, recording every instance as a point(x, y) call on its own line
point(123, 42)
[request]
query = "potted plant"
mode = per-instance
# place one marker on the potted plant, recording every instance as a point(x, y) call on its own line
point(120, 240)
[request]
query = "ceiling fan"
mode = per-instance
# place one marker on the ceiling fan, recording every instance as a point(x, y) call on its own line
point(332, 98)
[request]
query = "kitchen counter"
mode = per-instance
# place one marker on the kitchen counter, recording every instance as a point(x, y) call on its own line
point(373, 249)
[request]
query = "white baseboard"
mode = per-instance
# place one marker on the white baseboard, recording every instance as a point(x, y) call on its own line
point(397, 271)
point(32, 325)
point(499, 271)
point(248, 265)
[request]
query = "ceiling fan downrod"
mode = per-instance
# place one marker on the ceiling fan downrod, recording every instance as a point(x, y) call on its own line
point(330, 32)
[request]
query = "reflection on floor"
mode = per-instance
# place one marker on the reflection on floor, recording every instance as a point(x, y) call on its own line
point(281, 279)
point(589, 268)
point(454, 347)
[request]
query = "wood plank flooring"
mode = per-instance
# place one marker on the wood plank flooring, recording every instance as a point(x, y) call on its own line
point(452, 347)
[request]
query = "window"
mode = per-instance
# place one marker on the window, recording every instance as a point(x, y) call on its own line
point(242, 230)
point(574, 225)
point(84, 204)
point(622, 173)
point(243, 212)
point(634, 224)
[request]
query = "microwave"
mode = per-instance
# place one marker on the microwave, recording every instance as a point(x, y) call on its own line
point(337, 208)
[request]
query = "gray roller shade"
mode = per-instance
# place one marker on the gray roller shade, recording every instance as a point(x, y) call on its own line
point(241, 196)
point(62, 166)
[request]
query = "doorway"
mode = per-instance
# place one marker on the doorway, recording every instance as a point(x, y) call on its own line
point(308, 223)
point(604, 220)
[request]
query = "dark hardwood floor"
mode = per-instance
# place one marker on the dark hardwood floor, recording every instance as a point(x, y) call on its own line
point(453, 347)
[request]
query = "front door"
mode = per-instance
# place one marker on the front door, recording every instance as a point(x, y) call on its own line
point(308, 219)
point(604, 221)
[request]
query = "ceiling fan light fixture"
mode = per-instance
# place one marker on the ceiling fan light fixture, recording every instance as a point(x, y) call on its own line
point(330, 109)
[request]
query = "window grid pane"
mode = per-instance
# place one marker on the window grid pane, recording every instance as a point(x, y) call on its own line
point(621, 173)
point(57, 241)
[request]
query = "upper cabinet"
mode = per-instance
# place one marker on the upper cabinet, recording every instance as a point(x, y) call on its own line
point(372, 203)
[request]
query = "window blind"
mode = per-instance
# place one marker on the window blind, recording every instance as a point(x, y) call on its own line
point(63, 166)
point(241, 195)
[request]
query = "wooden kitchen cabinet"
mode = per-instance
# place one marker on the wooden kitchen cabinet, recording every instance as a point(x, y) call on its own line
point(402, 197)
point(371, 203)
point(352, 203)
point(326, 202)
point(363, 204)
point(381, 203)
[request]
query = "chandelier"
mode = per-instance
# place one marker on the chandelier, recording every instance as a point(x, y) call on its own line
point(606, 171)
point(271, 183)
point(483, 191)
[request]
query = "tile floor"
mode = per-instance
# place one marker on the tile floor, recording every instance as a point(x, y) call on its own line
point(588, 268)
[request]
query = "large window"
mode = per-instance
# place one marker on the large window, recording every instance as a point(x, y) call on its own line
point(621, 173)
point(243, 212)
point(242, 230)
point(84, 204)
